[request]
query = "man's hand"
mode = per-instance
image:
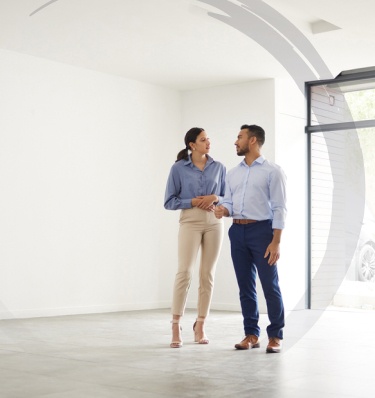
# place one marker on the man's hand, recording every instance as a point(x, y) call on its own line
point(221, 211)
point(273, 249)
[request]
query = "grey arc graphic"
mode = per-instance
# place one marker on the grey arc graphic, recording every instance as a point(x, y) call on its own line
point(43, 6)
point(293, 50)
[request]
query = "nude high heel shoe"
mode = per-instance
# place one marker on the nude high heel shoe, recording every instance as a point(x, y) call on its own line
point(204, 338)
point(176, 343)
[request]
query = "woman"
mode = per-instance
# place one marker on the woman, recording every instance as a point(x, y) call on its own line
point(195, 185)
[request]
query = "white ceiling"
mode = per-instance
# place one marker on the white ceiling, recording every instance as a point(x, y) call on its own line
point(175, 43)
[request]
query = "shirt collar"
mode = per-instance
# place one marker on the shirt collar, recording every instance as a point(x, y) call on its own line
point(189, 162)
point(259, 160)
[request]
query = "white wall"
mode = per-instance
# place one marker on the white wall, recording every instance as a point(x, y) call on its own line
point(291, 154)
point(84, 159)
point(82, 176)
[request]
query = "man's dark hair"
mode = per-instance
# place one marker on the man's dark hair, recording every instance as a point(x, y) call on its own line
point(255, 131)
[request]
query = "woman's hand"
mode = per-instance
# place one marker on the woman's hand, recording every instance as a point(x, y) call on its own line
point(205, 202)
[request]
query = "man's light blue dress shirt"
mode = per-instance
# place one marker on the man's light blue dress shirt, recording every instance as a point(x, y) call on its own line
point(257, 192)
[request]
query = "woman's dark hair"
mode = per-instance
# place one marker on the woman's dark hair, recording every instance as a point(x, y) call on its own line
point(190, 136)
point(255, 131)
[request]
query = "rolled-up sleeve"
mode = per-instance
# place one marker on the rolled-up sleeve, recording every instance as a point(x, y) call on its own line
point(222, 186)
point(228, 200)
point(277, 186)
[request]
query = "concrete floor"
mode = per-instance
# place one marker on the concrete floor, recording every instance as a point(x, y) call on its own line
point(326, 354)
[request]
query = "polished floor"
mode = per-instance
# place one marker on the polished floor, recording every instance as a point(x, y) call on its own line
point(326, 354)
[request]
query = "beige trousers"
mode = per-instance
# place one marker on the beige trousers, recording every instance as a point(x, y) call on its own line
point(198, 229)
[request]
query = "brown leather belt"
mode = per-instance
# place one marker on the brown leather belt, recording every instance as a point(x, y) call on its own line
point(242, 221)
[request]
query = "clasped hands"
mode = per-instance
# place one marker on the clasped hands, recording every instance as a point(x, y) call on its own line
point(205, 202)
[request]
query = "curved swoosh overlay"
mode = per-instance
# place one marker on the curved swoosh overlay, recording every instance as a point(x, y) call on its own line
point(43, 6)
point(294, 51)
point(277, 35)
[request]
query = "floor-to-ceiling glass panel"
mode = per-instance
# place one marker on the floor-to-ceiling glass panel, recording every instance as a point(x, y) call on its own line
point(358, 287)
point(343, 218)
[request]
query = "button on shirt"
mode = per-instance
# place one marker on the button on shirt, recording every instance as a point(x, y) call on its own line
point(186, 181)
point(257, 192)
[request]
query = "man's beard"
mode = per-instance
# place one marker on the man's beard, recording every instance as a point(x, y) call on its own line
point(242, 152)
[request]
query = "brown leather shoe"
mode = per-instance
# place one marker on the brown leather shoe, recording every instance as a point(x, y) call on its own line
point(274, 345)
point(250, 341)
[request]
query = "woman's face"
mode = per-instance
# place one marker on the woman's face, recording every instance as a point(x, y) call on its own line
point(201, 144)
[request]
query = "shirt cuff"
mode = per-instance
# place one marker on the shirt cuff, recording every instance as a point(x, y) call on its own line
point(276, 224)
point(186, 204)
point(220, 201)
point(229, 208)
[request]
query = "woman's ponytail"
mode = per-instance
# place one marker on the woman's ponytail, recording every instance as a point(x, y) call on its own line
point(183, 155)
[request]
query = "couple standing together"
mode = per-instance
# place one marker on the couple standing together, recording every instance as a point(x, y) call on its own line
point(253, 194)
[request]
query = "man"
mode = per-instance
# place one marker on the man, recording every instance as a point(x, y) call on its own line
point(255, 198)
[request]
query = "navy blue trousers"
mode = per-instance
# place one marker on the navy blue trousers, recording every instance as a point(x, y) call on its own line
point(248, 246)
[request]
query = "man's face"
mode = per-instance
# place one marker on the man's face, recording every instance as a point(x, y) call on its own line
point(242, 143)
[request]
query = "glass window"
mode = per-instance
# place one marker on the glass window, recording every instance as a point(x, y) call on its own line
point(343, 102)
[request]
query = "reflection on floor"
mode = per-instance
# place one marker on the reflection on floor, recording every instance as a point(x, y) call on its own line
point(326, 354)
